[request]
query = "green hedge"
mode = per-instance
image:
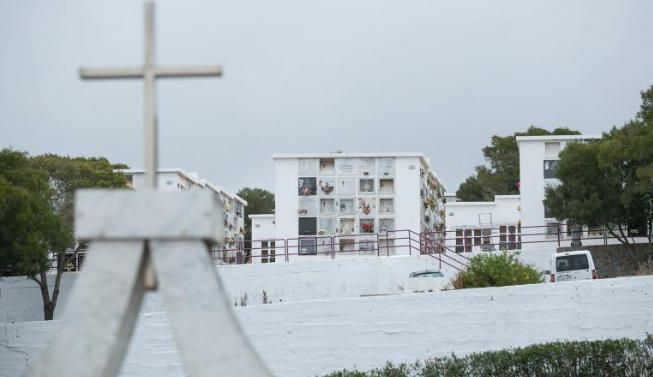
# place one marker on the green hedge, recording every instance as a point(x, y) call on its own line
point(609, 358)
point(495, 270)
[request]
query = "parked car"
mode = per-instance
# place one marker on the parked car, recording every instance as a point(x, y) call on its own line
point(572, 265)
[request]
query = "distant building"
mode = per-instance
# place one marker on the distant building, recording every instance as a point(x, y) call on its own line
point(538, 157)
point(233, 205)
point(477, 226)
point(516, 222)
point(339, 202)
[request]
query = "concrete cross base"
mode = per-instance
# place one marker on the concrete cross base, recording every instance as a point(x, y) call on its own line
point(129, 231)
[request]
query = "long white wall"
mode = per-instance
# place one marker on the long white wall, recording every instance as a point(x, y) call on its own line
point(20, 299)
point(315, 337)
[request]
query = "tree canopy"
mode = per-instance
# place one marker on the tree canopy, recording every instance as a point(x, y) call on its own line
point(259, 201)
point(36, 212)
point(500, 176)
point(609, 182)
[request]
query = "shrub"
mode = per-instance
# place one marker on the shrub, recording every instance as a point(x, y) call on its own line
point(495, 270)
point(613, 357)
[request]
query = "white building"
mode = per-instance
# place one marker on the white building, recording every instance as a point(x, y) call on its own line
point(476, 226)
point(234, 206)
point(538, 157)
point(515, 221)
point(339, 202)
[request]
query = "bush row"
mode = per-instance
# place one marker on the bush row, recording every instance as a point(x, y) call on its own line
point(610, 358)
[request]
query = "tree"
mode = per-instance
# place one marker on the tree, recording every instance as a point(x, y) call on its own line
point(65, 176)
point(609, 182)
point(501, 177)
point(259, 201)
point(28, 226)
point(36, 213)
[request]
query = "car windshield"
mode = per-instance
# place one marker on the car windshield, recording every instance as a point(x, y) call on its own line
point(572, 262)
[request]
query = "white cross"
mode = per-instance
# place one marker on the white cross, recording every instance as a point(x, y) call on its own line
point(149, 72)
point(131, 233)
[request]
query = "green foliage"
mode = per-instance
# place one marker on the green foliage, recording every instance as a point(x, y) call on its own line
point(609, 358)
point(28, 225)
point(502, 175)
point(36, 212)
point(259, 201)
point(608, 182)
point(496, 270)
point(68, 174)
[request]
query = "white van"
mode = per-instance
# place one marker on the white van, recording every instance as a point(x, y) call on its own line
point(572, 265)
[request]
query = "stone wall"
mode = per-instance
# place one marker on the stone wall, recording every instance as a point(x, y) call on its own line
point(616, 260)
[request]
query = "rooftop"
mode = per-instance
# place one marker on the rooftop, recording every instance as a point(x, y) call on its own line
point(556, 137)
point(425, 160)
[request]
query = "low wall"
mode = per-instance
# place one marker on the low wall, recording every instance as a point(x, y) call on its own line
point(616, 260)
point(315, 337)
point(20, 299)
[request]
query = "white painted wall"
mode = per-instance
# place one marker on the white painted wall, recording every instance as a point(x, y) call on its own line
point(285, 197)
point(311, 279)
point(504, 210)
point(312, 338)
point(407, 199)
point(263, 228)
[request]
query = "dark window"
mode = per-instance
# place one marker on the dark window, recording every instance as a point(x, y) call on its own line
point(549, 168)
point(307, 246)
point(306, 186)
point(572, 262)
point(272, 252)
point(307, 226)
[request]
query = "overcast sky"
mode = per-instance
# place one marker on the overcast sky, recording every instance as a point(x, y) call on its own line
point(438, 77)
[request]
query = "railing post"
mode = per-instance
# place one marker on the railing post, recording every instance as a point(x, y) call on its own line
point(387, 244)
point(333, 249)
point(378, 249)
point(285, 242)
point(558, 226)
point(410, 246)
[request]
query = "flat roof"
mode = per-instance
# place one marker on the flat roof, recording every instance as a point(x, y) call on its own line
point(556, 137)
point(163, 170)
point(492, 203)
point(190, 176)
point(346, 155)
point(425, 160)
point(261, 216)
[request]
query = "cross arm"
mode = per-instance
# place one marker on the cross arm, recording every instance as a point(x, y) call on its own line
point(111, 73)
point(139, 72)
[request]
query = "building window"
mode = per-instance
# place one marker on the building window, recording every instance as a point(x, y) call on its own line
point(307, 246)
point(306, 186)
point(509, 237)
point(468, 240)
point(459, 241)
point(552, 229)
point(366, 186)
point(549, 168)
point(307, 226)
point(327, 166)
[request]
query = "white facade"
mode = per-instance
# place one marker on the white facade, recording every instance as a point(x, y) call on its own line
point(338, 202)
point(264, 247)
point(476, 226)
point(538, 156)
point(179, 180)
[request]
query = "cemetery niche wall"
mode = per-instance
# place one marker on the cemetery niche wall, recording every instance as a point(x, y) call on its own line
point(356, 202)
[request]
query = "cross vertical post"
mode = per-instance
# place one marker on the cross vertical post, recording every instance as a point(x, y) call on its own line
point(129, 234)
point(149, 101)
